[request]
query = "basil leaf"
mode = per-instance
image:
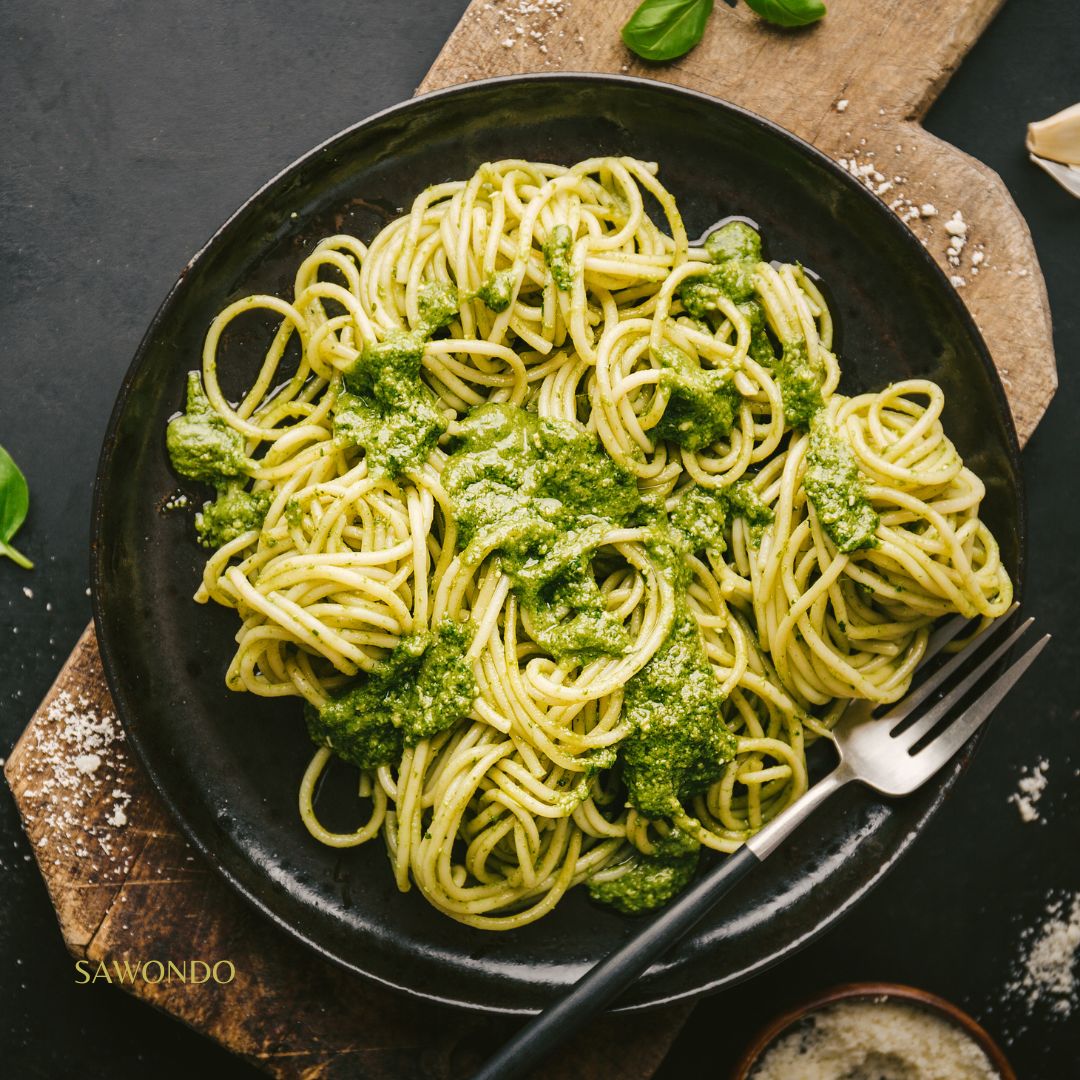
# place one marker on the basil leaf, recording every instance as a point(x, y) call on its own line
point(14, 502)
point(788, 12)
point(665, 29)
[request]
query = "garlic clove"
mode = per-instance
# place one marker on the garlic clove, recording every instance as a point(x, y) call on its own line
point(1057, 137)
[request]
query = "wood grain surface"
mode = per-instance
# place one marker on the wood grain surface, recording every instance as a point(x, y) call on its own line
point(124, 882)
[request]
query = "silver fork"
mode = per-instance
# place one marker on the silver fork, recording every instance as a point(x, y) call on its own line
point(893, 754)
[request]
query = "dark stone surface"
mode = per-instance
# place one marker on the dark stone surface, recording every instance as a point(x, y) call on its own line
point(130, 132)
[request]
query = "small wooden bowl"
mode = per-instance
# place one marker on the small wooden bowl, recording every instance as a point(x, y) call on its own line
point(868, 992)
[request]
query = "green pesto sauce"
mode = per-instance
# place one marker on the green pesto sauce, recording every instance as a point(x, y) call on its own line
point(387, 408)
point(201, 445)
point(424, 687)
point(497, 290)
point(735, 249)
point(743, 501)
point(800, 382)
point(678, 743)
point(557, 256)
point(234, 512)
point(676, 844)
point(734, 280)
point(700, 516)
point(702, 403)
point(438, 304)
point(649, 884)
point(596, 760)
point(835, 486)
point(761, 349)
point(541, 494)
point(734, 240)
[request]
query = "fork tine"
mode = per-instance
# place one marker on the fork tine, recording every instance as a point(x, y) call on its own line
point(938, 640)
point(945, 633)
point(958, 733)
point(925, 723)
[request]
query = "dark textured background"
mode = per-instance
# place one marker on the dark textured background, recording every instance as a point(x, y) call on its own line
point(129, 132)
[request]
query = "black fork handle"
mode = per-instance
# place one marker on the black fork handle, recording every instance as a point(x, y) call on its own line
point(603, 983)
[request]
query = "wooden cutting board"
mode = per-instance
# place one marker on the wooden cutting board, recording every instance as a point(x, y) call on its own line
point(125, 884)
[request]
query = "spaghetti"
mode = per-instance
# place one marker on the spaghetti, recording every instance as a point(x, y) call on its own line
point(564, 536)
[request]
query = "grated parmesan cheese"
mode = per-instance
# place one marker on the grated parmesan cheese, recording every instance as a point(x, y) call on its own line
point(527, 22)
point(1029, 791)
point(78, 755)
point(874, 1040)
point(863, 165)
point(1045, 978)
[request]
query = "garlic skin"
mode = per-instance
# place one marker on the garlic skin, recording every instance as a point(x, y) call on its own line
point(1057, 137)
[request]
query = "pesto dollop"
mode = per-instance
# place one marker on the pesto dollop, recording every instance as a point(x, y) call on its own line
point(649, 884)
point(541, 494)
point(557, 249)
point(800, 380)
point(387, 408)
point(700, 517)
point(233, 513)
point(424, 687)
point(438, 304)
point(835, 487)
point(735, 249)
point(702, 403)
point(734, 241)
point(678, 743)
point(201, 445)
point(497, 290)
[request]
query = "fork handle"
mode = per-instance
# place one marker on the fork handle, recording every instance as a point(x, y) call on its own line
point(765, 841)
point(603, 983)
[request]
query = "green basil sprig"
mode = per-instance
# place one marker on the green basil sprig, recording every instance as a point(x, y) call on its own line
point(788, 12)
point(14, 502)
point(665, 29)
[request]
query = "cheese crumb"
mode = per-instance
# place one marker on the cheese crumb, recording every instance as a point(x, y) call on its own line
point(842, 105)
point(956, 225)
point(87, 763)
point(928, 210)
point(1029, 791)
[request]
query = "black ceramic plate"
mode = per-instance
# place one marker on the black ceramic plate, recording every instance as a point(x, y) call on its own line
point(228, 765)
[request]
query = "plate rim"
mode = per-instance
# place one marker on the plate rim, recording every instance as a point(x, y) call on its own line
point(111, 664)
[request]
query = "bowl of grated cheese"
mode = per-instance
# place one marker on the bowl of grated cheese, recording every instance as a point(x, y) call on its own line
point(874, 1031)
